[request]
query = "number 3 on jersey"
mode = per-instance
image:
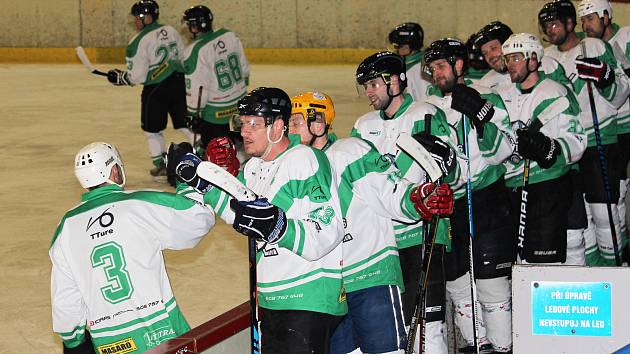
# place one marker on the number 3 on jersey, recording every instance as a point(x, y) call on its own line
point(111, 258)
point(228, 72)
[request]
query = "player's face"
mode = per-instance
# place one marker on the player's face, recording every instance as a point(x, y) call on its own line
point(516, 67)
point(254, 134)
point(493, 54)
point(139, 23)
point(555, 31)
point(376, 92)
point(592, 25)
point(403, 50)
point(297, 125)
point(443, 76)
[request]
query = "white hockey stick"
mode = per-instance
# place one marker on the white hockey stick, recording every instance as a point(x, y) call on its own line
point(420, 155)
point(221, 178)
point(86, 62)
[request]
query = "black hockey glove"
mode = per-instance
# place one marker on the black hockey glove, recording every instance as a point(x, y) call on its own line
point(595, 70)
point(538, 147)
point(118, 77)
point(181, 161)
point(468, 101)
point(193, 122)
point(439, 150)
point(259, 219)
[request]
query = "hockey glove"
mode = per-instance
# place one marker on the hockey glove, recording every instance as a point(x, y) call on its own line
point(469, 102)
point(259, 219)
point(538, 147)
point(183, 162)
point(222, 152)
point(193, 122)
point(118, 77)
point(429, 200)
point(595, 70)
point(439, 150)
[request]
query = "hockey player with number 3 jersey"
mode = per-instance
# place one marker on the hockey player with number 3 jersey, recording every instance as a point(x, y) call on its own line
point(217, 74)
point(108, 275)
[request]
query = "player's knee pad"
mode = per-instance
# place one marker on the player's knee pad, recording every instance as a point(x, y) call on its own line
point(157, 144)
point(459, 292)
point(575, 248)
point(496, 290)
point(435, 336)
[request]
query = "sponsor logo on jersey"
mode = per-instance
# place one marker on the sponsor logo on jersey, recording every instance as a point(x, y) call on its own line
point(374, 132)
point(347, 237)
point(322, 214)
point(270, 252)
point(159, 335)
point(105, 219)
point(126, 345)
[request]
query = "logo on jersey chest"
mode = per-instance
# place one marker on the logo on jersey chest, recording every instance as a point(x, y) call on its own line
point(105, 220)
point(322, 214)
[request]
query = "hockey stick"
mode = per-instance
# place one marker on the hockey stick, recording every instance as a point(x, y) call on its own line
point(230, 184)
point(86, 62)
point(198, 113)
point(473, 285)
point(424, 159)
point(548, 114)
point(603, 165)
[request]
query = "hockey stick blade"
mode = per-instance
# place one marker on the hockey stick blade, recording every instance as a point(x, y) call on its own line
point(86, 61)
point(551, 112)
point(420, 155)
point(221, 178)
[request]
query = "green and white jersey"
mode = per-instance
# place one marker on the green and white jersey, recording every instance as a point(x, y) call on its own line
point(620, 43)
point(608, 100)
point(416, 83)
point(108, 274)
point(487, 152)
point(371, 195)
point(565, 128)
point(303, 270)
point(215, 61)
point(548, 66)
point(153, 54)
point(383, 133)
point(475, 75)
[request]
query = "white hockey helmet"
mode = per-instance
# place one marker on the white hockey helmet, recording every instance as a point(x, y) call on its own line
point(525, 43)
point(587, 7)
point(94, 162)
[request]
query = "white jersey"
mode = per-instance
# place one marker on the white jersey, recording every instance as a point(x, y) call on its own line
point(416, 83)
point(303, 270)
point(487, 152)
point(108, 273)
point(607, 101)
point(371, 196)
point(216, 62)
point(549, 66)
point(564, 127)
point(620, 43)
point(153, 54)
point(383, 133)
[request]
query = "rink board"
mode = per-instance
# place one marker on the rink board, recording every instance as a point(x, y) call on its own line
point(570, 309)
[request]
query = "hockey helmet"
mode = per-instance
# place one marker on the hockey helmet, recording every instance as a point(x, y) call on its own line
point(383, 65)
point(475, 58)
point(494, 30)
point(94, 162)
point(449, 49)
point(556, 10)
point(314, 105)
point(587, 7)
point(146, 7)
point(270, 103)
point(524, 43)
point(409, 33)
point(200, 17)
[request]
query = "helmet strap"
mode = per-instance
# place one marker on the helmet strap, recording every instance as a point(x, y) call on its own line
point(270, 143)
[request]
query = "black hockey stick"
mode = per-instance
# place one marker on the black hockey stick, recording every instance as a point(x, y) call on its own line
point(86, 62)
point(603, 165)
point(198, 114)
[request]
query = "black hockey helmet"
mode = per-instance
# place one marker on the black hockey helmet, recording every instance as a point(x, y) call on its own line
point(494, 30)
point(449, 49)
point(475, 58)
point(557, 10)
point(199, 16)
point(146, 7)
point(270, 103)
point(409, 33)
point(383, 65)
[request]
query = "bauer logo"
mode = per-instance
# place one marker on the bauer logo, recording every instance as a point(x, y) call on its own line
point(157, 336)
point(122, 346)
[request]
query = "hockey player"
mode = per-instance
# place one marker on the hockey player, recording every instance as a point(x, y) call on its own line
point(407, 40)
point(371, 195)
point(296, 222)
point(596, 17)
point(382, 76)
point(551, 148)
point(489, 40)
point(593, 60)
point(153, 56)
point(217, 73)
point(494, 246)
point(108, 276)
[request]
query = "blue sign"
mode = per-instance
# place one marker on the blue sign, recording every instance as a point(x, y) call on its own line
point(571, 308)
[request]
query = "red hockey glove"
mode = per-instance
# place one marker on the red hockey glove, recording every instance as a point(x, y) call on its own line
point(429, 200)
point(222, 152)
point(595, 70)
